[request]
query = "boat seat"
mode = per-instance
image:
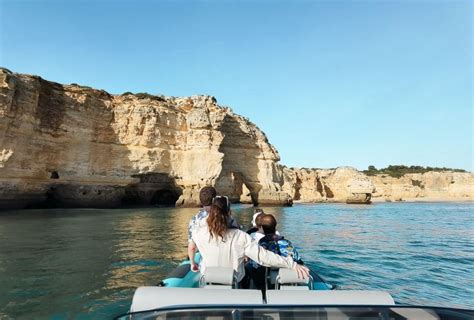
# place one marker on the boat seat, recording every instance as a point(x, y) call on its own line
point(288, 279)
point(293, 287)
point(216, 286)
point(329, 297)
point(149, 298)
point(271, 275)
point(218, 277)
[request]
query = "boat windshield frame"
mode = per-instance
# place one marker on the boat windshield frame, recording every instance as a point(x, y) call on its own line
point(236, 311)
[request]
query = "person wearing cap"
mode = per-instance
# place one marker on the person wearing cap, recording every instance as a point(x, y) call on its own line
point(257, 233)
point(254, 227)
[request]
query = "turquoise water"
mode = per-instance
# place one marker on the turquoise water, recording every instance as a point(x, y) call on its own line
point(86, 263)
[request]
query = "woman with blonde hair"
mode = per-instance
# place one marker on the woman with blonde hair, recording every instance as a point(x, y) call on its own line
point(221, 246)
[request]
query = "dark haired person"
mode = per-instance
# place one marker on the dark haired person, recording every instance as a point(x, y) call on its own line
point(206, 195)
point(256, 232)
point(221, 246)
point(271, 240)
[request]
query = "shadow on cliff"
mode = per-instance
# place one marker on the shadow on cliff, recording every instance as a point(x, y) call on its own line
point(155, 189)
point(323, 189)
point(81, 161)
point(240, 162)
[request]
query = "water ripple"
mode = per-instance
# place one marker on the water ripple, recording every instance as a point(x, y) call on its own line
point(87, 263)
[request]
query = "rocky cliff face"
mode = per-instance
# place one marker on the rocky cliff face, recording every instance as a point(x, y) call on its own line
point(346, 184)
point(326, 185)
point(69, 145)
point(430, 186)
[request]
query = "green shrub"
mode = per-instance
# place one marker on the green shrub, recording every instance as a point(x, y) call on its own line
point(417, 183)
point(144, 95)
point(398, 171)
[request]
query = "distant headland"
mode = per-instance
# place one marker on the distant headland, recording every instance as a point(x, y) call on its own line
point(75, 146)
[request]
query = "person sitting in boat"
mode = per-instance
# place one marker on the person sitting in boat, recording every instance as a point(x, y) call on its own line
point(206, 195)
point(256, 232)
point(223, 246)
point(254, 226)
point(271, 240)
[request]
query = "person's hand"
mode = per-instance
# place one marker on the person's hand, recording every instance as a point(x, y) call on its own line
point(194, 267)
point(302, 271)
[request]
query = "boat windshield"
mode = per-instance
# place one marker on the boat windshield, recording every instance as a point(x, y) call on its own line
point(266, 312)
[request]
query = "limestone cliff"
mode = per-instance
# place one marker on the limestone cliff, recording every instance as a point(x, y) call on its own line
point(429, 186)
point(327, 185)
point(346, 184)
point(69, 145)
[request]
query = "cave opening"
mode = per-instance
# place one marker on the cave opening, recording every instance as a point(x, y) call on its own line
point(49, 200)
point(164, 198)
point(54, 175)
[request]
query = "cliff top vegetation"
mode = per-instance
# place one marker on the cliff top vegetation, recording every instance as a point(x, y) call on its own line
point(398, 171)
point(145, 95)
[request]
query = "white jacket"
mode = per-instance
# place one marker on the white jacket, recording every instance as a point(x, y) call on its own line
point(230, 251)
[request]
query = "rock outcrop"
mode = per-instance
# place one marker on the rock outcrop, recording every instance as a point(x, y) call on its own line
point(70, 145)
point(429, 186)
point(327, 185)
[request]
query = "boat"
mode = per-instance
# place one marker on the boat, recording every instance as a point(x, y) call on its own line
point(183, 277)
point(300, 312)
point(215, 295)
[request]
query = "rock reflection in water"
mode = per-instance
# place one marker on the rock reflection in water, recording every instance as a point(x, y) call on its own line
point(149, 243)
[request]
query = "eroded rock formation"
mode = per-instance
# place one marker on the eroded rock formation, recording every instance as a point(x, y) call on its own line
point(327, 185)
point(70, 145)
point(429, 186)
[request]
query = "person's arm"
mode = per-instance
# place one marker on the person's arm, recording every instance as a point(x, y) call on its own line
point(269, 259)
point(192, 248)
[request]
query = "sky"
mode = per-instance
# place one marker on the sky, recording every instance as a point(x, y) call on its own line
point(331, 83)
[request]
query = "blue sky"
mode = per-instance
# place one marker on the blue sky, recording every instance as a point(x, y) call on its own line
point(330, 82)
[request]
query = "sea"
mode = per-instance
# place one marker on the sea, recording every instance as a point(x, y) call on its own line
point(86, 263)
